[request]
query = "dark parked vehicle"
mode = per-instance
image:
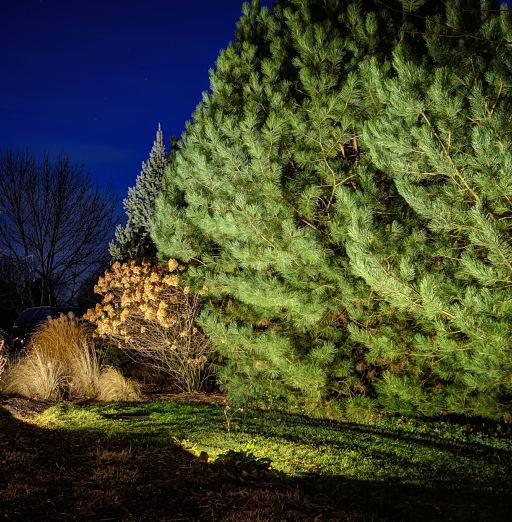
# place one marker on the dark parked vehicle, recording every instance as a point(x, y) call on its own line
point(30, 319)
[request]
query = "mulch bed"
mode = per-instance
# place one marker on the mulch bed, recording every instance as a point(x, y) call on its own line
point(153, 393)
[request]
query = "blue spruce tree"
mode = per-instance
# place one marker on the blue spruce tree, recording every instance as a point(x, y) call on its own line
point(133, 241)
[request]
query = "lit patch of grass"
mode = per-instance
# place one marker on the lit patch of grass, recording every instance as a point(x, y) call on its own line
point(411, 452)
point(67, 416)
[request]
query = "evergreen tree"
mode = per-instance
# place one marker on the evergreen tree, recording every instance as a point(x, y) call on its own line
point(344, 196)
point(133, 240)
point(441, 134)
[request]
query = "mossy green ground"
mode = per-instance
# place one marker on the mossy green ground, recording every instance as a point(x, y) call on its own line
point(393, 450)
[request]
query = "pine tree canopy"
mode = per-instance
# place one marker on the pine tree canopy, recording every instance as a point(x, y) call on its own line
point(133, 240)
point(344, 194)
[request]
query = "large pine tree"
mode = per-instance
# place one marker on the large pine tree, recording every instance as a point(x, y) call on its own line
point(344, 195)
point(133, 240)
point(441, 134)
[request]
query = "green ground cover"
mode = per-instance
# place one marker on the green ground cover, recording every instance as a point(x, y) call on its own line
point(393, 450)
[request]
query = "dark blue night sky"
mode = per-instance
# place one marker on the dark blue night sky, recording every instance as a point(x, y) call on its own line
point(94, 78)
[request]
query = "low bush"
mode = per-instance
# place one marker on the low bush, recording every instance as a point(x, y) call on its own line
point(146, 311)
point(61, 362)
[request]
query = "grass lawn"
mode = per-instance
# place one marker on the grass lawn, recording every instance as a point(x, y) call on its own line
point(300, 468)
point(434, 467)
point(409, 452)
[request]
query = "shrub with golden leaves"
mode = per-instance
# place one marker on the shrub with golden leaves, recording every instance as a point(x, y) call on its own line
point(147, 311)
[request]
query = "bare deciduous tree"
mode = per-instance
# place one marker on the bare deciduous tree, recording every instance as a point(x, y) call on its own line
point(55, 224)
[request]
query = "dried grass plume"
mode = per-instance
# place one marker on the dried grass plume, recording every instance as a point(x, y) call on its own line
point(61, 362)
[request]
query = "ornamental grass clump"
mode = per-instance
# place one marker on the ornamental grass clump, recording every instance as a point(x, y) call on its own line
point(114, 387)
point(35, 376)
point(146, 311)
point(3, 358)
point(61, 362)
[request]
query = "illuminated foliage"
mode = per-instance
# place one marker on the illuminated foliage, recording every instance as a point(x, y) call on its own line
point(344, 194)
point(61, 362)
point(146, 311)
point(3, 356)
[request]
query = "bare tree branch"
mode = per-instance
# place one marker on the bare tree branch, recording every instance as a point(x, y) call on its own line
point(51, 214)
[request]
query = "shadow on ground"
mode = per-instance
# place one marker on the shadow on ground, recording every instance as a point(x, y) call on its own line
point(57, 475)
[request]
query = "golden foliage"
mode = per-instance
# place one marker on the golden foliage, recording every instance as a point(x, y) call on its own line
point(146, 310)
point(114, 387)
point(34, 376)
point(3, 356)
point(61, 362)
